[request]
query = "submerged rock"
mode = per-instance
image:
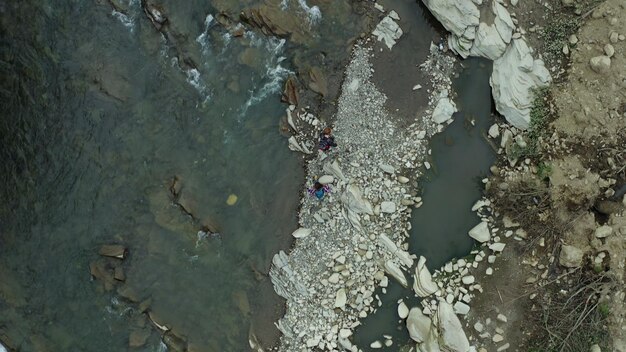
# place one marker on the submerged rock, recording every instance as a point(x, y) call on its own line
point(114, 251)
point(444, 109)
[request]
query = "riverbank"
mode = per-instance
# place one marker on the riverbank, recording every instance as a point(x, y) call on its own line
point(553, 201)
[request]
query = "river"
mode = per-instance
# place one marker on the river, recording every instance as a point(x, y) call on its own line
point(99, 117)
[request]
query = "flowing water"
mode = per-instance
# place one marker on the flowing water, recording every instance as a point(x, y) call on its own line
point(100, 113)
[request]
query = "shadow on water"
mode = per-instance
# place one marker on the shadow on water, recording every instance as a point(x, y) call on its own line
point(460, 159)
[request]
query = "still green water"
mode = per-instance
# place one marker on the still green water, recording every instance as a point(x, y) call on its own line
point(98, 117)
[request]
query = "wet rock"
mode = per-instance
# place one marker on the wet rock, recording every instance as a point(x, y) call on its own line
point(570, 257)
point(242, 302)
point(376, 344)
point(155, 14)
point(103, 272)
point(138, 338)
point(403, 179)
point(494, 131)
point(118, 274)
point(114, 251)
point(129, 293)
point(174, 343)
point(600, 64)
point(272, 20)
point(157, 322)
point(290, 92)
point(318, 82)
point(514, 79)
point(480, 232)
point(231, 200)
point(250, 57)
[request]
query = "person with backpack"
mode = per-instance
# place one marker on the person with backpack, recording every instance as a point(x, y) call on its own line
point(319, 190)
point(326, 140)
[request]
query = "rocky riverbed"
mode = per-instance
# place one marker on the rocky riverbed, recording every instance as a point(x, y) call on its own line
point(550, 241)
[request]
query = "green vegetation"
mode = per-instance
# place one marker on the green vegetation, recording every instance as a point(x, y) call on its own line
point(540, 116)
point(555, 36)
point(544, 170)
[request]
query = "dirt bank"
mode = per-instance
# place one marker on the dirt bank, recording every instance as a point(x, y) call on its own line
point(558, 189)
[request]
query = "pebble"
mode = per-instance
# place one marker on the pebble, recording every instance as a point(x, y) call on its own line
point(609, 50)
point(613, 37)
point(502, 318)
point(573, 39)
point(376, 344)
point(497, 338)
point(489, 271)
point(478, 326)
point(503, 347)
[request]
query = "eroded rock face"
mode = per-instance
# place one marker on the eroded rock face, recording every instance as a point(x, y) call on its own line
point(515, 77)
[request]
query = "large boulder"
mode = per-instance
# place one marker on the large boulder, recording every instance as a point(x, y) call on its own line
point(488, 43)
point(516, 75)
point(418, 325)
point(452, 336)
point(455, 15)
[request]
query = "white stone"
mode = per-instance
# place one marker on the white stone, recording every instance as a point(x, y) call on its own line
point(418, 325)
point(326, 179)
point(600, 64)
point(497, 338)
point(452, 334)
point(494, 131)
point(514, 79)
point(502, 318)
point(423, 284)
point(603, 231)
point(455, 15)
point(444, 110)
point(488, 43)
point(301, 232)
point(461, 308)
point(392, 269)
point(340, 298)
point(388, 207)
point(468, 280)
point(388, 31)
point(387, 168)
point(334, 278)
point(480, 232)
point(376, 344)
point(403, 179)
point(345, 333)
point(497, 247)
point(353, 200)
point(403, 310)
point(489, 271)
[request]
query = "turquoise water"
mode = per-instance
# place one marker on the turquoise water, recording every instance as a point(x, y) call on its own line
point(101, 115)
